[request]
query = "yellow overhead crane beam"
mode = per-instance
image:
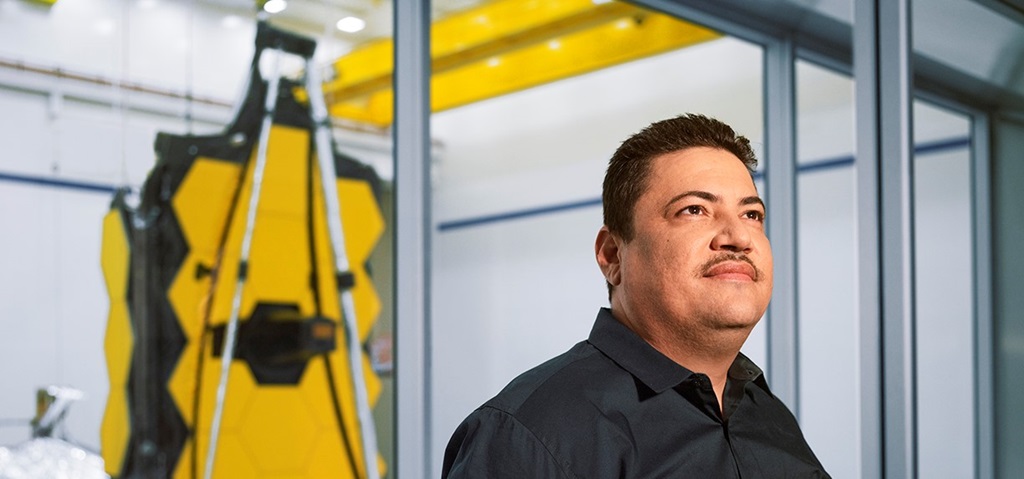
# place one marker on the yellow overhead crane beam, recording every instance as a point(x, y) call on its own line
point(506, 46)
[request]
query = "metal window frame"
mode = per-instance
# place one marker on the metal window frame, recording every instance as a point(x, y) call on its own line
point(885, 237)
point(781, 182)
point(984, 343)
point(412, 237)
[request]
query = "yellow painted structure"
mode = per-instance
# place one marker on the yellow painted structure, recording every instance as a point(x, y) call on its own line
point(506, 46)
point(268, 430)
point(279, 270)
point(172, 265)
point(118, 342)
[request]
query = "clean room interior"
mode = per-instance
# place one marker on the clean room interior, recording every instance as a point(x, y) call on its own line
point(513, 200)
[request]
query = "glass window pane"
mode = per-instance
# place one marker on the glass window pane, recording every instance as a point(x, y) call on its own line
point(827, 247)
point(518, 178)
point(943, 271)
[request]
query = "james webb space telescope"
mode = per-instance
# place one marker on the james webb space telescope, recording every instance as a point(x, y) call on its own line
point(239, 296)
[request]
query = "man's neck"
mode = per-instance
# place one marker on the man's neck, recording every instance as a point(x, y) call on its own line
point(710, 352)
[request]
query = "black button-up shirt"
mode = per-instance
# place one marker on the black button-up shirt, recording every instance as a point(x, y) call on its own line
point(615, 407)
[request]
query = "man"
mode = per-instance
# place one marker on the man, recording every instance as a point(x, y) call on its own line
point(660, 388)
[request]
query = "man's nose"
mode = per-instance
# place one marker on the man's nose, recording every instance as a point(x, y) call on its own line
point(732, 235)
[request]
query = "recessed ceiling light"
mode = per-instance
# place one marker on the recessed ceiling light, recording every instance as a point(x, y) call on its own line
point(275, 6)
point(493, 62)
point(554, 44)
point(351, 24)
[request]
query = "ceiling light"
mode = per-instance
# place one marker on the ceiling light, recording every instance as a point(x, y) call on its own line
point(351, 24)
point(493, 62)
point(554, 44)
point(275, 6)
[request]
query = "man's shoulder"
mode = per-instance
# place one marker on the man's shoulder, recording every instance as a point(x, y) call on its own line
point(549, 421)
point(561, 382)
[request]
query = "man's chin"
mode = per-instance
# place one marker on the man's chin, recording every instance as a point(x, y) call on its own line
point(739, 319)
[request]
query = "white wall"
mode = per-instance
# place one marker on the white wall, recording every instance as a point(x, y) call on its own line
point(53, 301)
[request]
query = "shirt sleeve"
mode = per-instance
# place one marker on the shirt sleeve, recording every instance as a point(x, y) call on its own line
point(491, 444)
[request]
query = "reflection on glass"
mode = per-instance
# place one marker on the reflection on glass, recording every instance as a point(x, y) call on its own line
point(841, 10)
point(90, 91)
point(971, 38)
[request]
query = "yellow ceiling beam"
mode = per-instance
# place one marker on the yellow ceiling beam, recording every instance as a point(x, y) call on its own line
point(507, 46)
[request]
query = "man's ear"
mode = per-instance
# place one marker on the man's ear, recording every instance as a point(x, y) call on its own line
point(606, 249)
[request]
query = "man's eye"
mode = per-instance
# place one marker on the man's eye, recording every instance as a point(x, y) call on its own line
point(755, 215)
point(692, 210)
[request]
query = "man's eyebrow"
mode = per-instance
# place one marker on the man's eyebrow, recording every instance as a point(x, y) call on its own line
point(752, 200)
point(704, 195)
point(713, 198)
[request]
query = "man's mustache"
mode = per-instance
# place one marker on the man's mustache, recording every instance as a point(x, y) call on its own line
point(705, 269)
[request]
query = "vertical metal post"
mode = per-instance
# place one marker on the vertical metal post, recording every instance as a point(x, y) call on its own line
point(1007, 300)
point(885, 238)
point(984, 433)
point(412, 241)
point(336, 232)
point(865, 53)
point(231, 335)
point(780, 178)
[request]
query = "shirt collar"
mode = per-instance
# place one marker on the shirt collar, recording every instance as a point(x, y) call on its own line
point(744, 370)
point(655, 370)
point(635, 355)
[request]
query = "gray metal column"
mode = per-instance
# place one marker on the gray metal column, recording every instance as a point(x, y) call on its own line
point(780, 179)
point(984, 432)
point(412, 237)
point(1007, 284)
point(885, 238)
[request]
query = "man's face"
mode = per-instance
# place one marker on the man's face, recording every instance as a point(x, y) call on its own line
point(699, 257)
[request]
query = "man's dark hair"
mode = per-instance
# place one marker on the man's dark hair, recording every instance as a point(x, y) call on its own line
point(628, 169)
point(626, 177)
